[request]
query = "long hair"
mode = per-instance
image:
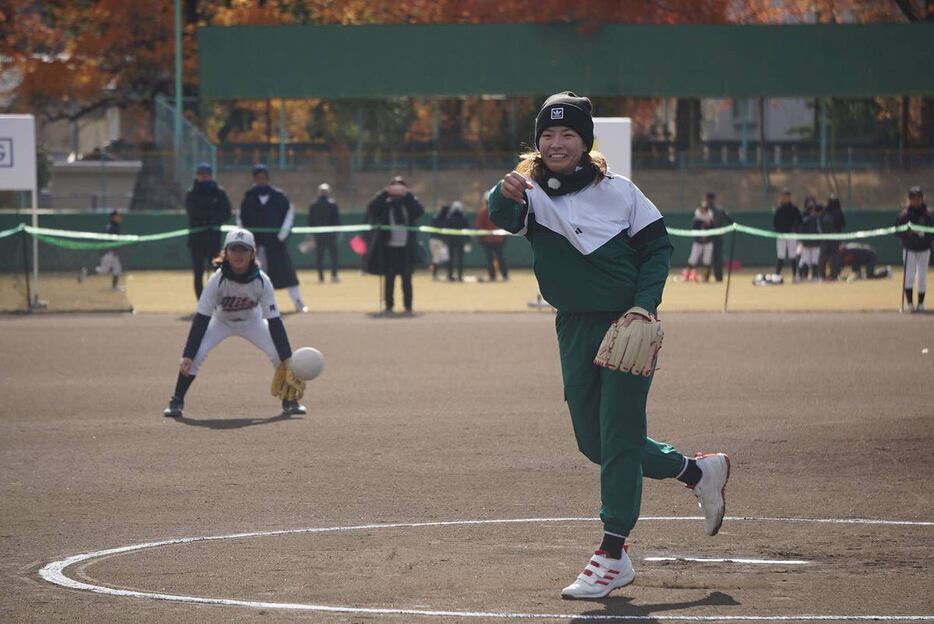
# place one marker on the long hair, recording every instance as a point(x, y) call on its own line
point(532, 165)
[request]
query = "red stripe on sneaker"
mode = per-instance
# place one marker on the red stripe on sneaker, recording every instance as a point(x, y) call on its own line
point(614, 571)
point(594, 563)
point(603, 582)
point(587, 572)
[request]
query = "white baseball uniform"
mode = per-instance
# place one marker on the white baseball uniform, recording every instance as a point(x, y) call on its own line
point(786, 248)
point(237, 310)
point(916, 264)
point(701, 251)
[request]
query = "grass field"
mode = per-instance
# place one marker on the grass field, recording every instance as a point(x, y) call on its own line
point(171, 291)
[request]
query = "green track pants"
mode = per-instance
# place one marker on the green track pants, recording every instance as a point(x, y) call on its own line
point(608, 413)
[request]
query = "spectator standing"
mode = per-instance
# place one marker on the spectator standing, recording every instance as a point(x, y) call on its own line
point(810, 247)
point(720, 218)
point(492, 244)
point(208, 207)
point(437, 243)
point(324, 212)
point(110, 261)
point(702, 247)
point(833, 221)
point(786, 220)
point(267, 212)
point(917, 247)
point(456, 221)
point(394, 252)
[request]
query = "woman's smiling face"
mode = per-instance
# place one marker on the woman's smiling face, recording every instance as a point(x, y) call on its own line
point(561, 149)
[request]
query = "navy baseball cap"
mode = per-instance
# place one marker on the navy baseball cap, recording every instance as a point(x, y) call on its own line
point(204, 168)
point(260, 168)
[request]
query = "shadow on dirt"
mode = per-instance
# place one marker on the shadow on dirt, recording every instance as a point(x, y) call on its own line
point(235, 423)
point(621, 606)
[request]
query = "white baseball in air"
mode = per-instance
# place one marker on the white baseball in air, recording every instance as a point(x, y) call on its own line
point(307, 363)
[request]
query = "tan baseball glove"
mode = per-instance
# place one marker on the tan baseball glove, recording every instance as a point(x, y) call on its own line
point(285, 385)
point(633, 347)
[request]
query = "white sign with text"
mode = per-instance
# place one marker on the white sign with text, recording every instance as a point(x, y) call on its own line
point(17, 153)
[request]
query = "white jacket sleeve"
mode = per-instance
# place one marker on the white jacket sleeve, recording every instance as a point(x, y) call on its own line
point(287, 223)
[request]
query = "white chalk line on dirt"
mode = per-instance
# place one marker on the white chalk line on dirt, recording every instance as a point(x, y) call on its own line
point(54, 572)
point(730, 560)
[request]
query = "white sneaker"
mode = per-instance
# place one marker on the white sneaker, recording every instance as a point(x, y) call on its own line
point(710, 490)
point(919, 307)
point(601, 576)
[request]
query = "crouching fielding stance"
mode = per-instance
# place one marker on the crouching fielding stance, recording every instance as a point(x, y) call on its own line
point(601, 257)
point(238, 300)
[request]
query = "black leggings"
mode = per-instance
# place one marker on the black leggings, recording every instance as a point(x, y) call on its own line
point(326, 243)
point(397, 263)
point(201, 258)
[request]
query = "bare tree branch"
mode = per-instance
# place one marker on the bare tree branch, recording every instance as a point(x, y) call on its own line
point(908, 9)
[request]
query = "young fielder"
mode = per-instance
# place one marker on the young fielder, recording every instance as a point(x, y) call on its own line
point(238, 300)
point(601, 257)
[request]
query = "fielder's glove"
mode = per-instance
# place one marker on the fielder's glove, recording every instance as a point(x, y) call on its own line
point(632, 348)
point(285, 385)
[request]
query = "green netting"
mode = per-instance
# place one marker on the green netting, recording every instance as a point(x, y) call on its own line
point(72, 239)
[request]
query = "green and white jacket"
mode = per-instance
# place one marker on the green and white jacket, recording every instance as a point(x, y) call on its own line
point(601, 249)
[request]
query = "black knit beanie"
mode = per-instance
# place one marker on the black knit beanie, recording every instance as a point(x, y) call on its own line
point(566, 109)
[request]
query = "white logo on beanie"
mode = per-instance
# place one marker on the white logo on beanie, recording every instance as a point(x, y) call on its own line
point(557, 112)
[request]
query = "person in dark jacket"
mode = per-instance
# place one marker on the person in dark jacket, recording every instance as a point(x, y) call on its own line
point(437, 244)
point(492, 244)
point(861, 257)
point(456, 221)
point(833, 221)
point(208, 207)
point(916, 245)
point(786, 220)
point(393, 252)
point(810, 247)
point(267, 212)
point(702, 247)
point(720, 218)
point(109, 261)
point(324, 212)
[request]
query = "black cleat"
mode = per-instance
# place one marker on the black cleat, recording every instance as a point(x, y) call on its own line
point(174, 410)
point(293, 408)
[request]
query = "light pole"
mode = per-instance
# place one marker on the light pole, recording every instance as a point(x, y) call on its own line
point(177, 128)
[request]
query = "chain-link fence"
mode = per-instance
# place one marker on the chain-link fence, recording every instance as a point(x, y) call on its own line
point(154, 179)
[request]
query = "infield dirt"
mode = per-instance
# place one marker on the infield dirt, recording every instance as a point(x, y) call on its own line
point(459, 416)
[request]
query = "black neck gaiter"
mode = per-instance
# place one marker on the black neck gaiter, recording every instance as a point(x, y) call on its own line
point(555, 184)
point(241, 278)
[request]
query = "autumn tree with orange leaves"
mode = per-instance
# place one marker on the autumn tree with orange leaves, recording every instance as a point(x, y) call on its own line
point(64, 58)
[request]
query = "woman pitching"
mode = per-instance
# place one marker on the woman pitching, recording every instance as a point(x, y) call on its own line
point(601, 257)
point(238, 300)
